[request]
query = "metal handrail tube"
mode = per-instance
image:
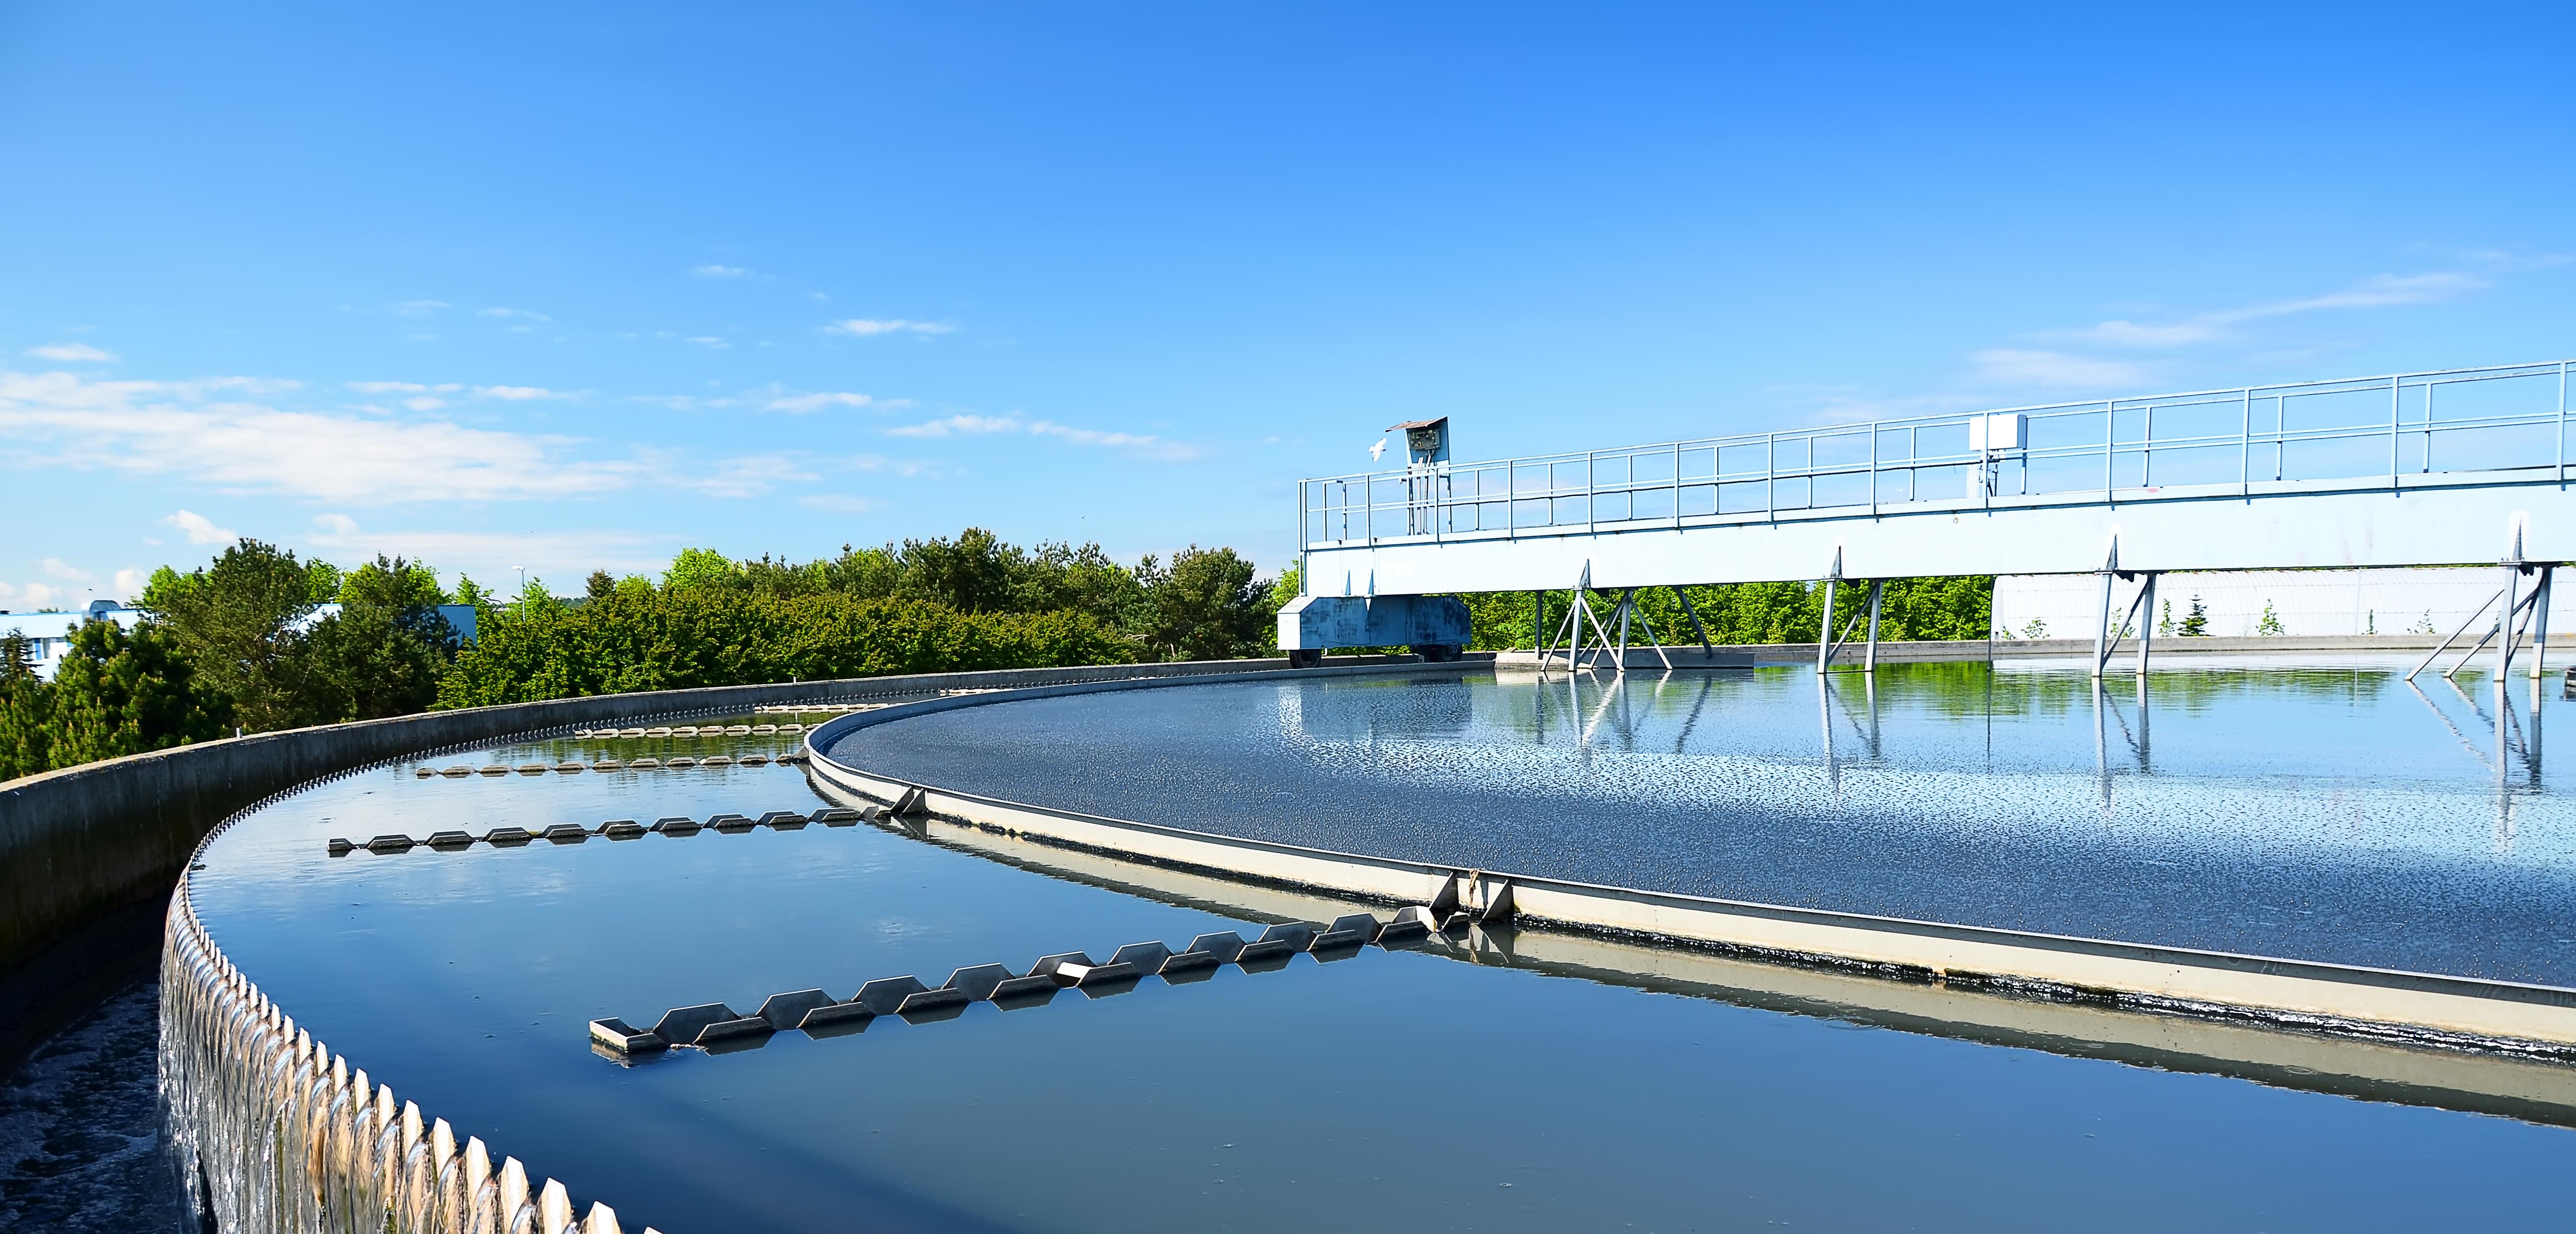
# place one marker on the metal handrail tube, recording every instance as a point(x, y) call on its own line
point(1444, 501)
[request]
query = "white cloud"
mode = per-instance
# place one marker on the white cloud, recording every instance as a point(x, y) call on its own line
point(129, 583)
point(2381, 291)
point(951, 425)
point(72, 353)
point(199, 529)
point(750, 475)
point(519, 394)
point(714, 271)
point(817, 402)
point(37, 596)
point(56, 567)
point(709, 341)
point(1138, 443)
point(334, 524)
point(416, 308)
point(563, 558)
point(387, 387)
point(424, 403)
point(863, 327)
point(1145, 445)
point(154, 428)
point(521, 314)
point(2053, 368)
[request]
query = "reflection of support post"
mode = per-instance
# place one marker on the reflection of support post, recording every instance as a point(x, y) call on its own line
point(2101, 746)
point(1538, 622)
point(1869, 686)
point(1869, 658)
point(1825, 724)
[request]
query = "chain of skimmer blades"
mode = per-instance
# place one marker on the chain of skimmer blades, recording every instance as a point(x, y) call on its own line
point(719, 1029)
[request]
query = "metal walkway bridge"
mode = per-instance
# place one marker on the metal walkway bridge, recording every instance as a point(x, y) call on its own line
point(2434, 468)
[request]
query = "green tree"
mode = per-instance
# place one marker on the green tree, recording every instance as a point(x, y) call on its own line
point(973, 573)
point(2195, 622)
point(702, 568)
point(240, 624)
point(1209, 606)
point(2270, 622)
point(382, 653)
point(116, 693)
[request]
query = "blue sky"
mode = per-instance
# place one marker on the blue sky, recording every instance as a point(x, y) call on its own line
point(579, 287)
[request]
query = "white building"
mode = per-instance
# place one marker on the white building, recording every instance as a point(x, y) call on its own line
point(50, 634)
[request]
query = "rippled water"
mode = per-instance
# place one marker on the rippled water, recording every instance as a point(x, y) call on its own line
point(1396, 1089)
point(2278, 807)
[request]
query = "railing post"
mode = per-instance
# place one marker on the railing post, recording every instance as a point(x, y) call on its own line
point(2395, 396)
point(1591, 494)
point(1511, 501)
point(2245, 451)
point(2110, 442)
point(2562, 422)
point(1873, 469)
point(2147, 451)
point(1677, 486)
point(1771, 477)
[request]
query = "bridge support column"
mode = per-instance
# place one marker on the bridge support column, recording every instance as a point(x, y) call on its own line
point(1825, 631)
point(2146, 627)
point(2507, 629)
point(1869, 657)
point(2540, 625)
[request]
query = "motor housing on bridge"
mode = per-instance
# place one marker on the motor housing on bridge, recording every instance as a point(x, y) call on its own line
point(1435, 626)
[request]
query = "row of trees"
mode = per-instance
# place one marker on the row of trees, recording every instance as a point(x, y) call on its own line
point(241, 643)
point(236, 643)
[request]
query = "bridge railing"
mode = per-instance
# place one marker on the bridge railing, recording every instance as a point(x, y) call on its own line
point(2364, 430)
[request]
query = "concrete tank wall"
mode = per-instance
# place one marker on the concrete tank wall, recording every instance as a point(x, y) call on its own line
point(88, 854)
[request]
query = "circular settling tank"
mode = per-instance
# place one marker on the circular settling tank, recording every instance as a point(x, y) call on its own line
point(2311, 810)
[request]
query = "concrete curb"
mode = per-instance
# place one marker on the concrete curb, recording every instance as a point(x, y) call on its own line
point(2422, 1007)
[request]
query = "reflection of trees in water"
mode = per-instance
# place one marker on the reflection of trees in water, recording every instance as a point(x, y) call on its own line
point(1971, 688)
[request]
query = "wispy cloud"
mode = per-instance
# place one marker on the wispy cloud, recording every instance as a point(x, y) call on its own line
point(1145, 445)
point(868, 327)
point(519, 313)
point(520, 394)
point(2380, 291)
point(2014, 366)
point(199, 529)
point(72, 353)
point(950, 426)
point(561, 557)
point(56, 567)
point(402, 387)
point(818, 401)
point(177, 429)
point(709, 341)
point(714, 271)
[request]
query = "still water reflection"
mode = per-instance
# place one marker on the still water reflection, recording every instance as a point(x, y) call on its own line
point(1403, 1089)
point(2326, 811)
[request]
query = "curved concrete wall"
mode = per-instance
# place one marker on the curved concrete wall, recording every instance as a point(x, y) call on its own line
point(88, 854)
point(2420, 1008)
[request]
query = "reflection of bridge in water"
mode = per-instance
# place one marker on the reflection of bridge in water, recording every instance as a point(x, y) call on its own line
point(2436, 468)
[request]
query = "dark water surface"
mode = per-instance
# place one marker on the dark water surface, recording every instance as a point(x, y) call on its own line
point(2266, 805)
point(1393, 1090)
